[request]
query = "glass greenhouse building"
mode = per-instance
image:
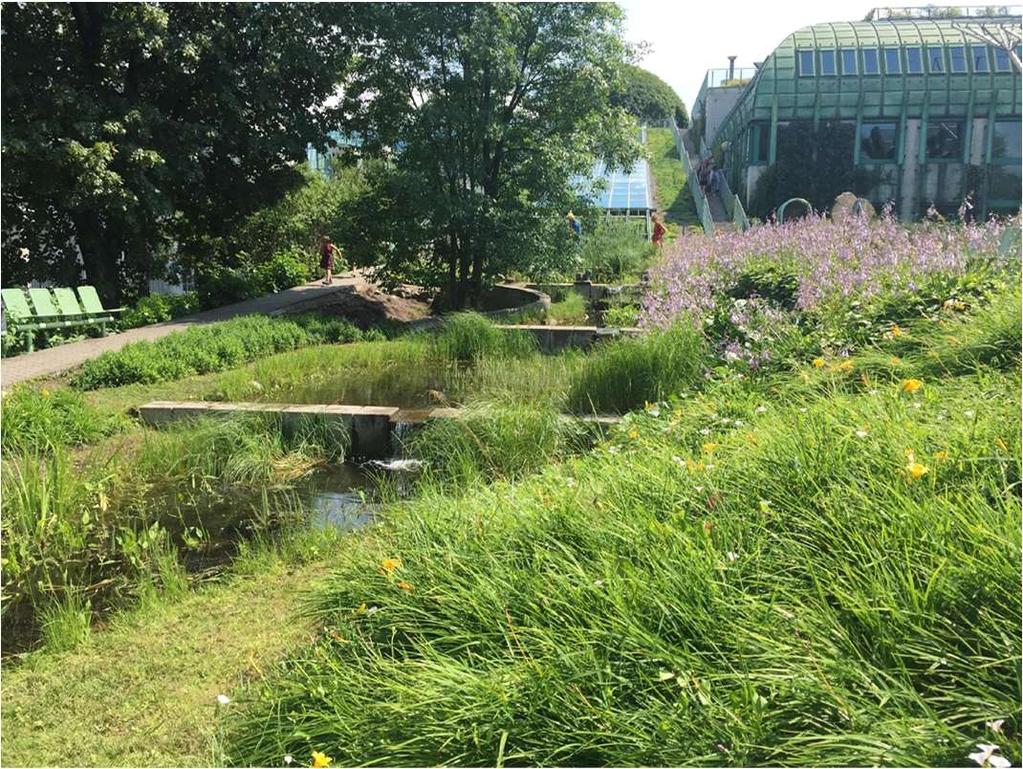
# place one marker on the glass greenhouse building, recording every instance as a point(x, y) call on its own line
point(914, 105)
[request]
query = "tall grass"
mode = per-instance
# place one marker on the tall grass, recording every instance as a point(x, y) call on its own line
point(623, 375)
point(776, 590)
point(470, 337)
point(491, 442)
point(88, 530)
point(37, 419)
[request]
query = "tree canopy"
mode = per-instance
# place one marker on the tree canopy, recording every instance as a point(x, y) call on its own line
point(127, 127)
point(486, 111)
point(648, 97)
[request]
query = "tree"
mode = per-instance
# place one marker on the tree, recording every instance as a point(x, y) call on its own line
point(129, 127)
point(486, 112)
point(649, 98)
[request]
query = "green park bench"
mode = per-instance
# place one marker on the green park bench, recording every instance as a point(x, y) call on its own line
point(42, 314)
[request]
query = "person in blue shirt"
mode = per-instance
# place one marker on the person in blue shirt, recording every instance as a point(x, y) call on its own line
point(575, 224)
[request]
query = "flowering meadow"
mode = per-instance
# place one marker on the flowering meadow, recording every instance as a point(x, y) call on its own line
point(847, 280)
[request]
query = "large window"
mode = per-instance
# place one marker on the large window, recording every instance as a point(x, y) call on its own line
point(871, 64)
point(828, 62)
point(877, 141)
point(759, 143)
point(892, 61)
point(848, 61)
point(914, 61)
point(936, 59)
point(945, 140)
point(805, 61)
point(1005, 140)
point(980, 58)
point(957, 58)
point(1002, 63)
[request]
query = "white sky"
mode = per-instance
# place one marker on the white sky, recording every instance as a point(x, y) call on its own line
point(688, 37)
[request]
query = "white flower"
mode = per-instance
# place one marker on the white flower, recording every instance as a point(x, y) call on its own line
point(654, 411)
point(995, 726)
point(678, 461)
point(985, 756)
point(861, 433)
point(223, 699)
point(760, 409)
point(969, 413)
point(802, 410)
point(665, 675)
point(697, 488)
point(598, 583)
point(372, 610)
point(289, 758)
point(916, 405)
point(732, 556)
point(705, 431)
point(871, 392)
point(570, 482)
point(612, 449)
point(739, 423)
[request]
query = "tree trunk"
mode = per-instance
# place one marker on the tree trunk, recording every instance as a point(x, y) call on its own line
point(99, 251)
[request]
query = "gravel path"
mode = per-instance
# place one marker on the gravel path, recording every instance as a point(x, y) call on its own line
point(58, 359)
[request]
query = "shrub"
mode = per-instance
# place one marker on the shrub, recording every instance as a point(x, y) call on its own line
point(159, 308)
point(621, 315)
point(38, 419)
point(291, 267)
point(469, 337)
point(614, 252)
point(623, 375)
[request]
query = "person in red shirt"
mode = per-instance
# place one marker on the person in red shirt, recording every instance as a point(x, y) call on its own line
point(658, 236)
point(328, 251)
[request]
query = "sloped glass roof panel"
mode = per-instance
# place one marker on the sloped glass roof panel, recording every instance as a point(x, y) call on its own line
point(617, 190)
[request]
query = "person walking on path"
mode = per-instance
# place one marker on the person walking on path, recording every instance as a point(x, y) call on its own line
point(328, 253)
point(659, 231)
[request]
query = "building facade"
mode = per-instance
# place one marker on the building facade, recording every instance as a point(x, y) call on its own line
point(911, 106)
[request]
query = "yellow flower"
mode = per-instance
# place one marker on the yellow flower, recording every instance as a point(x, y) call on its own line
point(751, 438)
point(1001, 444)
point(708, 448)
point(390, 564)
point(104, 502)
point(896, 332)
point(45, 393)
point(895, 361)
point(321, 760)
point(845, 366)
point(404, 585)
point(818, 362)
point(677, 413)
point(692, 466)
point(914, 470)
point(941, 456)
point(911, 385)
point(633, 434)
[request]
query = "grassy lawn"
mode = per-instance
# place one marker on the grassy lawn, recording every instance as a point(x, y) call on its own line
point(143, 693)
point(673, 199)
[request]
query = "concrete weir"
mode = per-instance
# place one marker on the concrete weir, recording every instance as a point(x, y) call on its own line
point(370, 427)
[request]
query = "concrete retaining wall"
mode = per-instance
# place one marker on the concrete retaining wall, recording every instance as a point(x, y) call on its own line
point(369, 427)
point(506, 301)
point(591, 292)
point(554, 339)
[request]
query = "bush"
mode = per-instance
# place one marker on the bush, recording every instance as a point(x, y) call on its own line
point(469, 337)
point(621, 315)
point(38, 419)
point(291, 267)
point(205, 349)
point(623, 375)
point(569, 311)
point(614, 252)
point(159, 308)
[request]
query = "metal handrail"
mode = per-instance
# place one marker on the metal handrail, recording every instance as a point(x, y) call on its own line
point(702, 206)
point(733, 207)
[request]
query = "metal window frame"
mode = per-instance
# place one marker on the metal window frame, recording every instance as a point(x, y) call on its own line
point(951, 60)
point(877, 61)
point(889, 49)
point(963, 144)
point(973, 59)
point(851, 52)
point(1005, 59)
point(834, 62)
point(909, 61)
point(862, 159)
point(943, 69)
point(800, 53)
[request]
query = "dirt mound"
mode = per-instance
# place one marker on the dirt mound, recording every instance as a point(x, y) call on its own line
point(367, 306)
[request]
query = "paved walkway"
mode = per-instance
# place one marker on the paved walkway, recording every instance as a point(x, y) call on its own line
point(67, 356)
